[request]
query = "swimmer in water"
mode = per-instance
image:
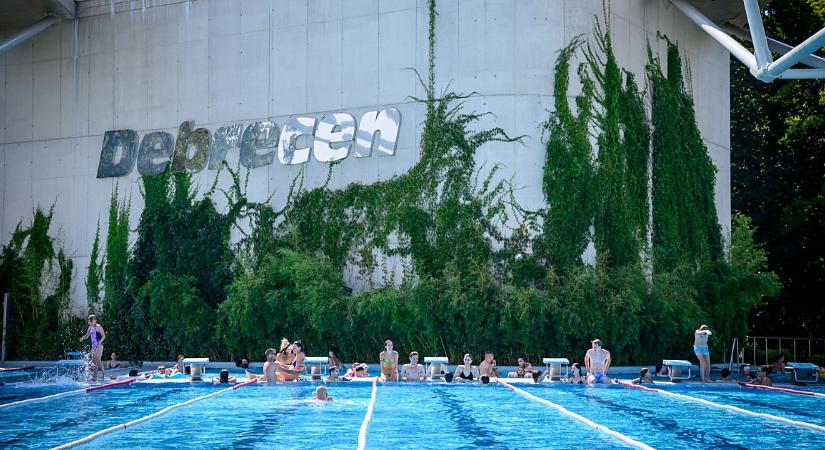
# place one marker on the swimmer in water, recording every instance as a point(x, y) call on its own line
point(321, 394)
point(269, 368)
point(292, 371)
point(467, 371)
point(644, 377)
point(97, 335)
point(413, 371)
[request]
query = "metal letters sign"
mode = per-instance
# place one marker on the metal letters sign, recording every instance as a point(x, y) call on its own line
point(329, 139)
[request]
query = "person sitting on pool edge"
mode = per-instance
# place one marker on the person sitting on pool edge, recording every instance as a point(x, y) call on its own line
point(644, 377)
point(293, 371)
point(597, 362)
point(467, 371)
point(413, 371)
point(322, 394)
point(224, 378)
point(269, 368)
point(388, 360)
point(488, 366)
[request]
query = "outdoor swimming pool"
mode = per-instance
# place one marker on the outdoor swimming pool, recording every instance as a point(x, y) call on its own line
point(428, 415)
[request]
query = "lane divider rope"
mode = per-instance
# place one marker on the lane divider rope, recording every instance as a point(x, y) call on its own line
point(779, 389)
point(614, 434)
point(40, 399)
point(143, 419)
point(362, 434)
point(76, 391)
point(726, 407)
point(111, 385)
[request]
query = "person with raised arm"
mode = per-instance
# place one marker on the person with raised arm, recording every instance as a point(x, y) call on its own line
point(597, 362)
point(97, 335)
point(700, 347)
point(293, 371)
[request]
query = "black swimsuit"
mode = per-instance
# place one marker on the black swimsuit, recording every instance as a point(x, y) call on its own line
point(465, 377)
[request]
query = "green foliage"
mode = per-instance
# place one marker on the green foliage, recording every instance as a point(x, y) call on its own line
point(177, 319)
point(115, 312)
point(289, 294)
point(621, 206)
point(685, 225)
point(93, 275)
point(568, 169)
point(38, 280)
point(778, 175)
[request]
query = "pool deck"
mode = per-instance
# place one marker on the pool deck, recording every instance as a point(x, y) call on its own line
point(624, 373)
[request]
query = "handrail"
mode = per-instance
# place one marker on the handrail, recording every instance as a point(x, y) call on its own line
point(755, 342)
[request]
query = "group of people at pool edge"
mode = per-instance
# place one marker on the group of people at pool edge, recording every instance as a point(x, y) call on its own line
point(287, 363)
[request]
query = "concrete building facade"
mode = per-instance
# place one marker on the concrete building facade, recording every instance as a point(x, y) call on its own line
point(150, 65)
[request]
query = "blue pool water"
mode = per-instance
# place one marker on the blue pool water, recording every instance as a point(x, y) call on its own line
point(405, 416)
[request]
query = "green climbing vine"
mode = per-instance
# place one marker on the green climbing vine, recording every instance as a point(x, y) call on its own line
point(685, 225)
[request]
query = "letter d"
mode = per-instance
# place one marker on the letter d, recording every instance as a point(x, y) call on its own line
point(117, 157)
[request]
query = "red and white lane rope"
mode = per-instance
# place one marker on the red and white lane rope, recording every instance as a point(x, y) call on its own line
point(730, 408)
point(76, 391)
point(614, 434)
point(779, 389)
point(132, 423)
point(362, 434)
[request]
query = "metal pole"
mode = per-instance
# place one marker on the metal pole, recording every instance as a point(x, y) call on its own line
point(758, 38)
point(26, 34)
point(794, 349)
point(754, 351)
point(766, 351)
point(797, 54)
point(776, 46)
point(735, 48)
point(5, 314)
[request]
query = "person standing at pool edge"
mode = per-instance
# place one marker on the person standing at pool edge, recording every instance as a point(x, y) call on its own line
point(700, 347)
point(97, 335)
point(597, 361)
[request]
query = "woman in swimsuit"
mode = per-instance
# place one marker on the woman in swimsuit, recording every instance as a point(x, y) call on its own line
point(466, 372)
point(413, 371)
point(644, 377)
point(284, 357)
point(389, 362)
point(97, 335)
point(577, 378)
point(700, 347)
point(293, 371)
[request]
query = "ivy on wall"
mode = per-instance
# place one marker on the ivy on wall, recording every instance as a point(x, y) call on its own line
point(37, 275)
point(471, 283)
point(685, 225)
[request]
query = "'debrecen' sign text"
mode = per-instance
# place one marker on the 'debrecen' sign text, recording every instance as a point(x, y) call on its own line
point(330, 139)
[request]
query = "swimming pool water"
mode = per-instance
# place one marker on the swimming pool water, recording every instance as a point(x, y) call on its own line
point(423, 415)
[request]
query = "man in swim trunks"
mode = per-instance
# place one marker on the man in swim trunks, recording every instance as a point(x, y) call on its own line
point(597, 362)
point(97, 335)
point(413, 371)
point(700, 347)
point(488, 366)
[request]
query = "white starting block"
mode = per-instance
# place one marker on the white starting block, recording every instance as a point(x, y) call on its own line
point(680, 364)
point(553, 367)
point(802, 373)
point(320, 361)
point(73, 359)
point(430, 360)
point(197, 367)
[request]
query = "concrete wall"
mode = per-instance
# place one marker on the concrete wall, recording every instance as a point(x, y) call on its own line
point(151, 65)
